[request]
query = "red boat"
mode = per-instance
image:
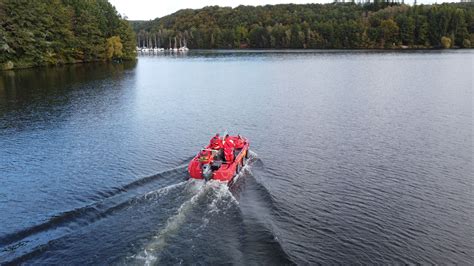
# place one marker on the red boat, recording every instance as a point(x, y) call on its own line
point(210, 162)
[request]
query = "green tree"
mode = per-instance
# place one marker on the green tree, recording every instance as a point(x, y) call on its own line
point(241, 35)
point(390, 31)
point(407, 28)
point(259, 37)
point(128, 40)
point(458, 27)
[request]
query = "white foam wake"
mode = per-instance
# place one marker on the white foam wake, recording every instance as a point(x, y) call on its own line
point(153, 195)
point(151, 251)
point(197, 188)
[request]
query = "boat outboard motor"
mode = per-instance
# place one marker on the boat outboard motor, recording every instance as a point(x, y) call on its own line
point(206, 171)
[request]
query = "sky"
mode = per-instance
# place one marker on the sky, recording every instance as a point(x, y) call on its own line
point(151, 9)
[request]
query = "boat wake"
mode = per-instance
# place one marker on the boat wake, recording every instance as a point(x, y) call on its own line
point(200, 191)
point(212, 221)
point(156, 218)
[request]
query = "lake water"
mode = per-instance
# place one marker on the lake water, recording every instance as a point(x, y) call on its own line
point(357, 157)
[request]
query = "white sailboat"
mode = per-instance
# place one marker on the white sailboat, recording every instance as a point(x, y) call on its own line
point(183, 48)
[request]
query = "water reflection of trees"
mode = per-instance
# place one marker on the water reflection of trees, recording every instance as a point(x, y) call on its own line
point(26, 92)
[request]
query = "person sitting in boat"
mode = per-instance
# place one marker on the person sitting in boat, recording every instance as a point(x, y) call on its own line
point(205, 156)
point(216, 143)
point(238, 142)
point(228, 149)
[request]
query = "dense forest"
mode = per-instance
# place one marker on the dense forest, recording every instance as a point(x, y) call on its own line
point(377, 24)
point(51, 32)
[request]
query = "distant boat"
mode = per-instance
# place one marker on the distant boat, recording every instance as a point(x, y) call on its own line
point(156, 49)
point(183, 49)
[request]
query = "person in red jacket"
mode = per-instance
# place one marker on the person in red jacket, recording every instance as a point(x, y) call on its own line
point(238, 142)
point(205, 156)
point(216, 143)
point(228, 149)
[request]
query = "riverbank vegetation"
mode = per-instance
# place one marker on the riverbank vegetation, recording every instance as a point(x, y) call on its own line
point(51, 32)
point(372, 25)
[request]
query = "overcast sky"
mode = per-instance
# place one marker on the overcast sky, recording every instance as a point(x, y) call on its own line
point(151, 9)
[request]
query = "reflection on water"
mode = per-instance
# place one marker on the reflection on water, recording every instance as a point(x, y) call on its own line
point(22, 90)
point(57, 77)
point(363, 157)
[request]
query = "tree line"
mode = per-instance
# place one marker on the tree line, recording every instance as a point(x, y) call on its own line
point(367, 25)
point(51, 32)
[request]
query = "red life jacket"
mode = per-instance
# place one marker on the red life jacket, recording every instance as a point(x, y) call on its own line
point(229, 150)
point(228, 144)
point(238, 143)
point(216, 143)
point(229, 156)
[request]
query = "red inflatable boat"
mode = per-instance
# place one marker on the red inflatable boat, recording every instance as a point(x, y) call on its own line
point(221, 160)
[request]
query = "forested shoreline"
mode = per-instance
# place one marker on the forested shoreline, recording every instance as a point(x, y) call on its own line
point(375, 25)
point(53, 32)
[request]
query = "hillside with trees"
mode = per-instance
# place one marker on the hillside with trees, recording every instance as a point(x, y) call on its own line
point(373, 25)
point(52, 32)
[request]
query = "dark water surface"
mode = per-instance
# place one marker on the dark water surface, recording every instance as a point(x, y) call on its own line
point(358, 157)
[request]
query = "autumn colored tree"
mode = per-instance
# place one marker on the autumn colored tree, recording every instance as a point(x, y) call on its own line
point(114, 48)
point(446, 42)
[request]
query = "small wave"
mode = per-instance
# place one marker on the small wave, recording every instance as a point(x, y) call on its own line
point(31, 240)
point(22, 250)
point(260, 204)
point(145, 180)
point(156, 194)
point(94, 209)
